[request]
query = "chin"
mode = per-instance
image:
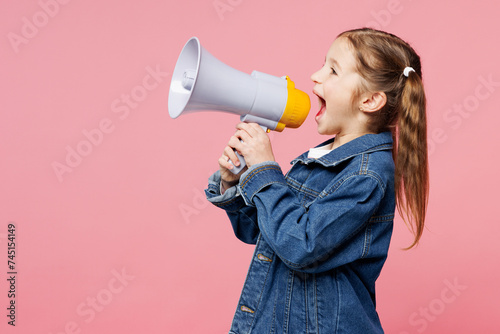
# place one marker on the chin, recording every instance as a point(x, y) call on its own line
point(326, 131)
point(321, 132)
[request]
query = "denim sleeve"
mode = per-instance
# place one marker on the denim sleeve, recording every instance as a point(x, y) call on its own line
point(314, 238)
point(243, 218)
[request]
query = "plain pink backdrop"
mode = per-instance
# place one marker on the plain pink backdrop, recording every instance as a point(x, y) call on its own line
point(121, 239)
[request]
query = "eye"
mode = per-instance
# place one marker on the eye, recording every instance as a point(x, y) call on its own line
point(333, 70)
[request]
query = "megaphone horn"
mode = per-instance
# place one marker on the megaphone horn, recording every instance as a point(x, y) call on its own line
point(202, 82)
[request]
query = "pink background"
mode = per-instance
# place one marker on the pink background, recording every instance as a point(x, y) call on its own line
point(132, 206)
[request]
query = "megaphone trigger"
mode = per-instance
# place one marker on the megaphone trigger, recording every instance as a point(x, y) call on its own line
point(237, 169)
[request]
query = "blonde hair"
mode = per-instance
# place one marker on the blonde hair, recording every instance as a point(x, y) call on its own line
point(381, 59)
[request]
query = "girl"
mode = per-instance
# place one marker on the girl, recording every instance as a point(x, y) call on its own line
point(322, 231)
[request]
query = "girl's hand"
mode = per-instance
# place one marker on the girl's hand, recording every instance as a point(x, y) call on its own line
point(229, 179)
point(252, 142)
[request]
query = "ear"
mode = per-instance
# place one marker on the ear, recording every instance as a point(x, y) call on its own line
point(372, 102)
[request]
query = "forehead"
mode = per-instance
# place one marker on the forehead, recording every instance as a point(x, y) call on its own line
point(340, 52)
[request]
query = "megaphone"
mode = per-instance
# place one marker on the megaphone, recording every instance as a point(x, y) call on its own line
point(202, 82)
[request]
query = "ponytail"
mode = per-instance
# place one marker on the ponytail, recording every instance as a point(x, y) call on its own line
point(412, 171)
point(384, 61)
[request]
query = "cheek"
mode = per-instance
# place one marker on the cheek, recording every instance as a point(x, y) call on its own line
point(330, 91)
point(341, 93)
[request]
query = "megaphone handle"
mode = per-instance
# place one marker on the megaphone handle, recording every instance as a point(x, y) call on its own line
point(236, 169)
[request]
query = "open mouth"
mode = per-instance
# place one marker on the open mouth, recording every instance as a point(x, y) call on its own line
point(322, 105)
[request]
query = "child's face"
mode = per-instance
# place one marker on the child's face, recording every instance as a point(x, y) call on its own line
point(335, 85)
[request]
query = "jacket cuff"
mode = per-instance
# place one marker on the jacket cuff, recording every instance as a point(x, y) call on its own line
point(229, 201)
point(257, 178)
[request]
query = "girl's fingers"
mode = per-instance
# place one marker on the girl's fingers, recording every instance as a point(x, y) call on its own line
point(231, 156)
point(252, 129)
point(235, 143)
point(243, 135)
point(224, 162)
point(256, 129)
point(252, 142)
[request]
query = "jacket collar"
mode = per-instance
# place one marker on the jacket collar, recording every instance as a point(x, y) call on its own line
point(364, 144)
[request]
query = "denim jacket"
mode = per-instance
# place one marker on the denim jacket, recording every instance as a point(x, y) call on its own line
point(322, 234)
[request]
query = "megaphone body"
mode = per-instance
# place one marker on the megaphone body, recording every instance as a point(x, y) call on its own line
point(202, 82)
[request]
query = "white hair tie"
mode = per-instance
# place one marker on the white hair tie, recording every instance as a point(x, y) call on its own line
point(407, 71)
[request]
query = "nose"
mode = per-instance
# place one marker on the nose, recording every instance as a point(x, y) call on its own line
point(315, 77)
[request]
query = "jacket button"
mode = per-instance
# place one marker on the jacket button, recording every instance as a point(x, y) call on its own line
point(264, 258)
point(246, 309)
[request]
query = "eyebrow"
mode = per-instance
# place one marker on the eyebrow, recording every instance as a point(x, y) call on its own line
point(334, 62)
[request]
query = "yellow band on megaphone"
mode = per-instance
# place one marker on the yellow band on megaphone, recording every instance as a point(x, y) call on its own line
point(297, 108)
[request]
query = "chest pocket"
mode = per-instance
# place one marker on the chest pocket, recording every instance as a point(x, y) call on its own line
point(310, 181)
